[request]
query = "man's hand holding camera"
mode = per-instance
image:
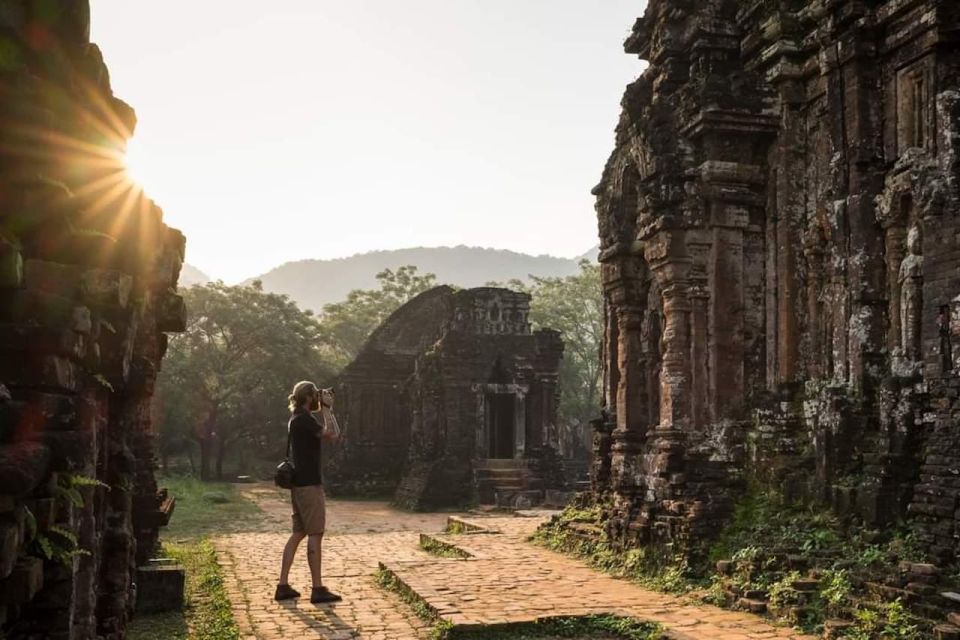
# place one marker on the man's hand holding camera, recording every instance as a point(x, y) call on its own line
point(331, 429)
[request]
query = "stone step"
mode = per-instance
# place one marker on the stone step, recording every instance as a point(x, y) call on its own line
point(946, 632)
point(518, 498)
point(753, 606)
point(503, 473)
point(501, 463)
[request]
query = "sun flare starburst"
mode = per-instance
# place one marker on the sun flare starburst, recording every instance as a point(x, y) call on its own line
point(90, 158)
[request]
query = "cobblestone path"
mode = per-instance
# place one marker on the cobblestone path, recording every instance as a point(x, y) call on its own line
point(506, 580)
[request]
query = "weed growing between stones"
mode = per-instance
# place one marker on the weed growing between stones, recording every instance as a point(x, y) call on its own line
point(455, 527)
point(798, 563)
point(441, 549)
point(598, 626)
point(387, 580)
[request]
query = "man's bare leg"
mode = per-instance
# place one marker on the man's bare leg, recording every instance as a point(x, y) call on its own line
point(289, 551)
point(319, 593)
point(314, 559)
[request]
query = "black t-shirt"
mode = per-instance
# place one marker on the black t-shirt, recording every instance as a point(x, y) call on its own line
point(305, 442)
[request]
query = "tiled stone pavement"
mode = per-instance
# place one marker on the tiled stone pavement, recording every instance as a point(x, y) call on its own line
point(511, 580)
point(507, 580)
point(250, 561)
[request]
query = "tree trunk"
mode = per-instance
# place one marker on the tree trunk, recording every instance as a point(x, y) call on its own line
point(205, 451)
point(208, 438)
point(221, 453)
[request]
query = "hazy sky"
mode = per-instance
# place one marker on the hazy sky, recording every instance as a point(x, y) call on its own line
point(276, 131)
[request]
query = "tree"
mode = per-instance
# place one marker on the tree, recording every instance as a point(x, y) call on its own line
point(347, 325)
point(226, 378)
point(573, 306)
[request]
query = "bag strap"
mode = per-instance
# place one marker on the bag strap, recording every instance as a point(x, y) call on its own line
point(289, 432)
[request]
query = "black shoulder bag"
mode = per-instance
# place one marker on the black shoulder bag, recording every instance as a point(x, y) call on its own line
point(283, 478)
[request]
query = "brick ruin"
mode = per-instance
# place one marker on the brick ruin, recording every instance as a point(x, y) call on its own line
point(779, 225)
point(453, 400)
point(88, 272)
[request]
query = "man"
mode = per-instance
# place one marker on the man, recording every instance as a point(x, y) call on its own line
point(307, 434)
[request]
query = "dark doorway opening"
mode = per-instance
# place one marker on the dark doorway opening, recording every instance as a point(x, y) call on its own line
point(500, 424)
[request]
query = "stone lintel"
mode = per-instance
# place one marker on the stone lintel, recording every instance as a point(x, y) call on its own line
point(724, 172)
point(731, 122)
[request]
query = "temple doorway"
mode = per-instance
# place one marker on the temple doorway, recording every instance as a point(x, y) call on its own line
point(501, 424)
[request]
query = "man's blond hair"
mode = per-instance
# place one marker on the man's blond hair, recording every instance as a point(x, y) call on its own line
point(302, 391)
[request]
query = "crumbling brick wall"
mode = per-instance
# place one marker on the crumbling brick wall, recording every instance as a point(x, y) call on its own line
point(88, 273)
point(778, 225)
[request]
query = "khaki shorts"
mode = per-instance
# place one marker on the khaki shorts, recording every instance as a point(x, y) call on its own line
point(309, 510)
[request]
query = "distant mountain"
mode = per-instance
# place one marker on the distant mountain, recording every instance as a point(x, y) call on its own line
point(314, 283)
point(593, 255)
point(190, 275)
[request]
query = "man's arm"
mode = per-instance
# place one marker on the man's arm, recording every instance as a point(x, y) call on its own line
point(322, 431)
point(331, 430)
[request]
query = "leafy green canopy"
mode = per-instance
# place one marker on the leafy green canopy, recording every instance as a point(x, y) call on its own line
point(225, 379)
point(573, 306)
point(347, 325)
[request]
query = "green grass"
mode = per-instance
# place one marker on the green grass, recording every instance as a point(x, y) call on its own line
point(207, 613)
point(580, 627)
point(169, 626)
point(441, 549)
point(204, 508)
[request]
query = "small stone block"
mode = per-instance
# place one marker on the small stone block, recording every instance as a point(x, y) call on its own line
point(23, 466)
point(806, 584)
point(836, 629)
point(946, 632)
point(103, 287)
point(159, 588)
point(9, 543)
point(753, 606)
point(11, 265)
point(23, 583)
point(921, 588)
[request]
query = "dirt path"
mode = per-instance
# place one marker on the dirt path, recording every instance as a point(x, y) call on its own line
point(344, 517)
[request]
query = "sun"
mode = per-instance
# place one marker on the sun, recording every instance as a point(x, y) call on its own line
point(134, 164)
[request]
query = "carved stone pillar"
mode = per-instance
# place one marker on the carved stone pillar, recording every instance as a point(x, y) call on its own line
point(672, 271)
point(631, 428)
point(895, 241)
point(626, 285)
point(611, 361)
point(911, 297)
point(699, 355)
